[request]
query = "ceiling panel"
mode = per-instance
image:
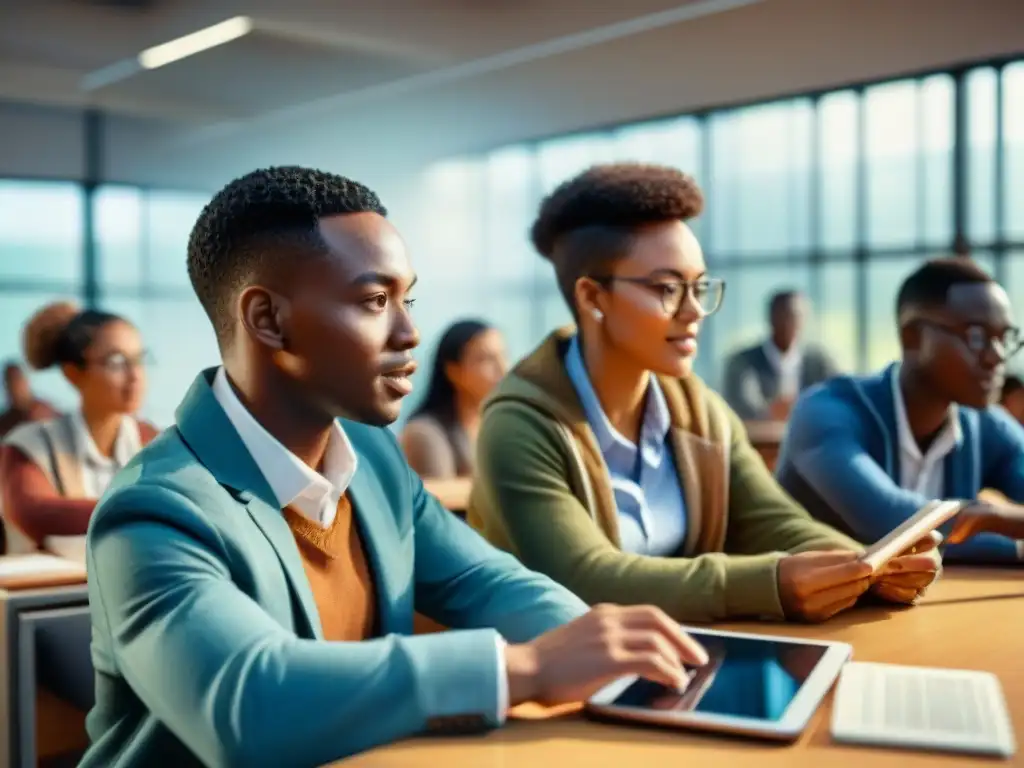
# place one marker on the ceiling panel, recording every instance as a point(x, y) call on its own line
point(264, 71)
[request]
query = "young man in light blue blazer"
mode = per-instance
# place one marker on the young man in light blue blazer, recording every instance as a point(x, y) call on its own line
point(208, 634)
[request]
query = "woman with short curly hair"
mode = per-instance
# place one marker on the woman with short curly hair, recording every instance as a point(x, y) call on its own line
point(604, 462)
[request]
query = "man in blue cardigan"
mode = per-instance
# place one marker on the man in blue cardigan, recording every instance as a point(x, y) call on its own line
point(864, 453)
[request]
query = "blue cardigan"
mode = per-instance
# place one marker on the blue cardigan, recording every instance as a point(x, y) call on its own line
point(841, 461)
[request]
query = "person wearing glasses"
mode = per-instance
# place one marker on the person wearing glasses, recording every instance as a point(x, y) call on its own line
point(763, 381)
point(864, 453)
point(53, 471)
point(605, 463)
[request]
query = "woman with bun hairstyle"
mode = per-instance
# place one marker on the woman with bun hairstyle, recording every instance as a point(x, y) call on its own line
point(52, 472)
point(606, 464)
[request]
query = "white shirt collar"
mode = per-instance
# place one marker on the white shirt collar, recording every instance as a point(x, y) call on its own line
point(293, 482)
point(945, 441)
point(98, 470)
point(791, 358)
point(126, 445)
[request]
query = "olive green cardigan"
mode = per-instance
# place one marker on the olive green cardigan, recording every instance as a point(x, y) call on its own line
point(542, 492)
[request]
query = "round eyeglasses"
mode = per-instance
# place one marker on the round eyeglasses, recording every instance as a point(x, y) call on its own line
point(120, 363)
point(978, 338)
point(707, 292)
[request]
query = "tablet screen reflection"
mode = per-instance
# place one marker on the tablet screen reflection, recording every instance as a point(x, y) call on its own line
point(744, 678)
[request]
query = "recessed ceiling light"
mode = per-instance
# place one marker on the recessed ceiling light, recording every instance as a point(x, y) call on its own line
point(189, 45)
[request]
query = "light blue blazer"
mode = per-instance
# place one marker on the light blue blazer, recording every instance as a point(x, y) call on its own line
point(207, 645)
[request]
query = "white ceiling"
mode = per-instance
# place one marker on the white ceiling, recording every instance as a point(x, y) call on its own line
point(378, 88)
point(299, 52)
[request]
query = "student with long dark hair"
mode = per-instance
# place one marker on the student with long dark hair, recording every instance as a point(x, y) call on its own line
point(440, 436)
point(52, 472)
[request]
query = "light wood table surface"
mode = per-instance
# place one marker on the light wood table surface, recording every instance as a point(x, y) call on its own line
point(766, 437)
point(453, 493)
point(971, 619)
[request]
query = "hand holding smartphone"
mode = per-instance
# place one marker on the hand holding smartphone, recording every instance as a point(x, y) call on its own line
point(914, 528)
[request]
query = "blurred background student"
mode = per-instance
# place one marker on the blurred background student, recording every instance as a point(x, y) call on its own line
point(52, 471)
point(440, 438)
point(22, 404)
point(763, 381)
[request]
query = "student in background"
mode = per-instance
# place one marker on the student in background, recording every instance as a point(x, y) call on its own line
point(22, 405)
point(1012, 397)
point(864, 453)
point(52, 472)
point(440, 438)
point(253, 574)
point(763, 382)
point(604, 462)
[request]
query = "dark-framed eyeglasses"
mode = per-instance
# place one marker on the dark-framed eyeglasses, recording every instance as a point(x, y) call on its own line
point(978, 338)
point(707, 292)
point(119, 362)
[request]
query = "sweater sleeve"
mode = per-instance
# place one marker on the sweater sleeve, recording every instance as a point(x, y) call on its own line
point(1003, 445)
point(826, 446)
point(762, 516)
point(522, 499)
point(32, 503)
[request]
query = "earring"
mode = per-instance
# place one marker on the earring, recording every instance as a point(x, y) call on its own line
point(598, 314)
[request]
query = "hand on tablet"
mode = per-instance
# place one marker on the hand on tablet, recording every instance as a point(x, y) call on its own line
point(814, 586)
point(905, 578)
point(574, 661)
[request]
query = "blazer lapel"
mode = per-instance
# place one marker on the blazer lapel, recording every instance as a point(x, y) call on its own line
point(701, 464)
point(879, 396)
point(380, 538)
point(209, 433)
point(702, 477)
point(271, 522)
point(963, 464)
point(767, 375)
point(689, 474)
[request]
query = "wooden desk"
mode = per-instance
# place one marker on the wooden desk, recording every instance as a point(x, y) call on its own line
point(34, 723)
point(972, 619)
point(453, 493)
point(766, 437)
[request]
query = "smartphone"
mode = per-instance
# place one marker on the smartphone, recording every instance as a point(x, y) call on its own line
point(917, 526)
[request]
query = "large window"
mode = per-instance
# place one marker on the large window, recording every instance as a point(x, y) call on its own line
point(838, 194)
point(141, 254)
point(41, 246)
point(41, 233)
point(139, 271)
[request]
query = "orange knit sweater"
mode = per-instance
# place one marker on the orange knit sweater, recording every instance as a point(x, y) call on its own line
point(336, 565)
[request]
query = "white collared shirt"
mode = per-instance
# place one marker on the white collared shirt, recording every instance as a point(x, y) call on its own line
point(293, 482)
point(313, 494)
point(99, 470)
point(97, 473)
point(923, 473)
point(645, 480)
point(788, 365)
